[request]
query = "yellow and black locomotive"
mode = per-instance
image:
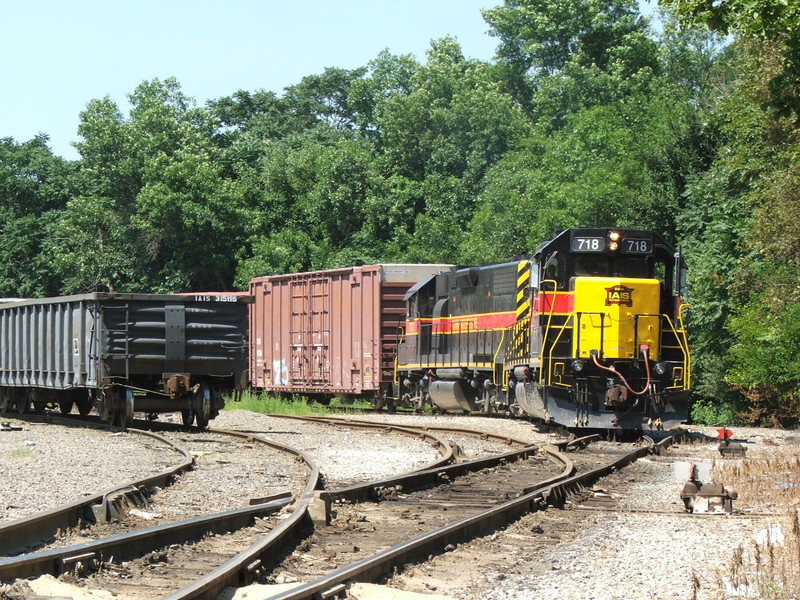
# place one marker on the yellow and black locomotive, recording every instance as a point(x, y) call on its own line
point(587, 332)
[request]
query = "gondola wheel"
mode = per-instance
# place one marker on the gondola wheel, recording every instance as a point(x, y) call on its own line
point(84, 405)
point(201, 406)
point(188, 417)
point(125, 411)
point(22, 401)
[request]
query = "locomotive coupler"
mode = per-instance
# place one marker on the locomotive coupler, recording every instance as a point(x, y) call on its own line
point(616, 395)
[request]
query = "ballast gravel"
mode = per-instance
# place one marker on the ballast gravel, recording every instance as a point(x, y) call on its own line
point(46, 465)
point(344, 455)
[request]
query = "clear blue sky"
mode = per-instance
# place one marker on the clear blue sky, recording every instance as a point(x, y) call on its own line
point(57, 55)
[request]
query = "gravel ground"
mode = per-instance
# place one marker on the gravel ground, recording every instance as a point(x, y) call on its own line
point(227, 474)
point(47, 465)
point(344, 455)
point(624, 553)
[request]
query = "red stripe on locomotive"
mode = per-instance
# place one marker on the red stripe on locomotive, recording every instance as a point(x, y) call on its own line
point(560, 303)
point(463, 324)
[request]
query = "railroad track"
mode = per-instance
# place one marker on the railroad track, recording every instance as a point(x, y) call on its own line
point(426, 537)
point(30, 532)
point(122, 562)
point(443, 504)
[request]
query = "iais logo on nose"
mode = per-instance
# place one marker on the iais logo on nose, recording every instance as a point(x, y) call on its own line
point(619, 294)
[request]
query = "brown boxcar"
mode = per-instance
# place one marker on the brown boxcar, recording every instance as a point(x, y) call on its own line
point(330, 333)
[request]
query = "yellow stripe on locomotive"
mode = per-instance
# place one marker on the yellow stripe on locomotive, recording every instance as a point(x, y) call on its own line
point(615, 316)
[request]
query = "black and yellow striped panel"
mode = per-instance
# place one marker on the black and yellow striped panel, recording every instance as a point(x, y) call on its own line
point(523, 283)
point(519, 340)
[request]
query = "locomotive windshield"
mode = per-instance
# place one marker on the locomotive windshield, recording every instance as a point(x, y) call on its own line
point(606, 266)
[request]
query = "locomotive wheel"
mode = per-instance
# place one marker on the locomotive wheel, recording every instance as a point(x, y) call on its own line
point(65, 406)
point(201, 406)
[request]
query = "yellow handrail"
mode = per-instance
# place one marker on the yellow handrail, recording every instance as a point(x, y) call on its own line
point(549, 319)
point(400, 338)
point(494, 360)
point(683, 343)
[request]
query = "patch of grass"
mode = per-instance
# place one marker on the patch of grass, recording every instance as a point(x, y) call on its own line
point(21, 453)
point(263, 403)
point(296, 405)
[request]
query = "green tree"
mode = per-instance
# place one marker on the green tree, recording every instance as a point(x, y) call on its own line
point(740, 236)
point(567, 50)
point(437, 140)
point(768, 22)
point(34, 187)
point(91, 249)
point(159, 171)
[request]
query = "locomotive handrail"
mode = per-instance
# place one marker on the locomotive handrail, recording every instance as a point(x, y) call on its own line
point(685, 347)
point(401, 336)
point(496, 354)
point(680, 337)
point(562, 329)
point(636, 318)
point(602, 330)
point(547, 327)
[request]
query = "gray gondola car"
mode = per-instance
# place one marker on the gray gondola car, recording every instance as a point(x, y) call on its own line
point(124, 353)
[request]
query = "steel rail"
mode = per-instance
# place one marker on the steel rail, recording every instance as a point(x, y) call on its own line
point(426, 478)
point(134, 544)
point(232, 573)
point(243, 567)
point(20, 534)
point(551, 492)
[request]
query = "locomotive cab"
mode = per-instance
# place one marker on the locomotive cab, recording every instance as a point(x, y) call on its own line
point(607, 340)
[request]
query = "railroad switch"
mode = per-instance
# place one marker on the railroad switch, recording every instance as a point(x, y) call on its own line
point(707, 498)
point(727, 448)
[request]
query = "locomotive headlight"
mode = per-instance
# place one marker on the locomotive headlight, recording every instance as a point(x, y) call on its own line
point(613, 240)
point(659, 368)
point(577, 366)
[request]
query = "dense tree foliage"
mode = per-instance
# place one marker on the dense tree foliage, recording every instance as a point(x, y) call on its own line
point(585, 115)
point(745, 210)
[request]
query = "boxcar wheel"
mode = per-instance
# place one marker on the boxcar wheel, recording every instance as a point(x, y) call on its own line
point(65, 406)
